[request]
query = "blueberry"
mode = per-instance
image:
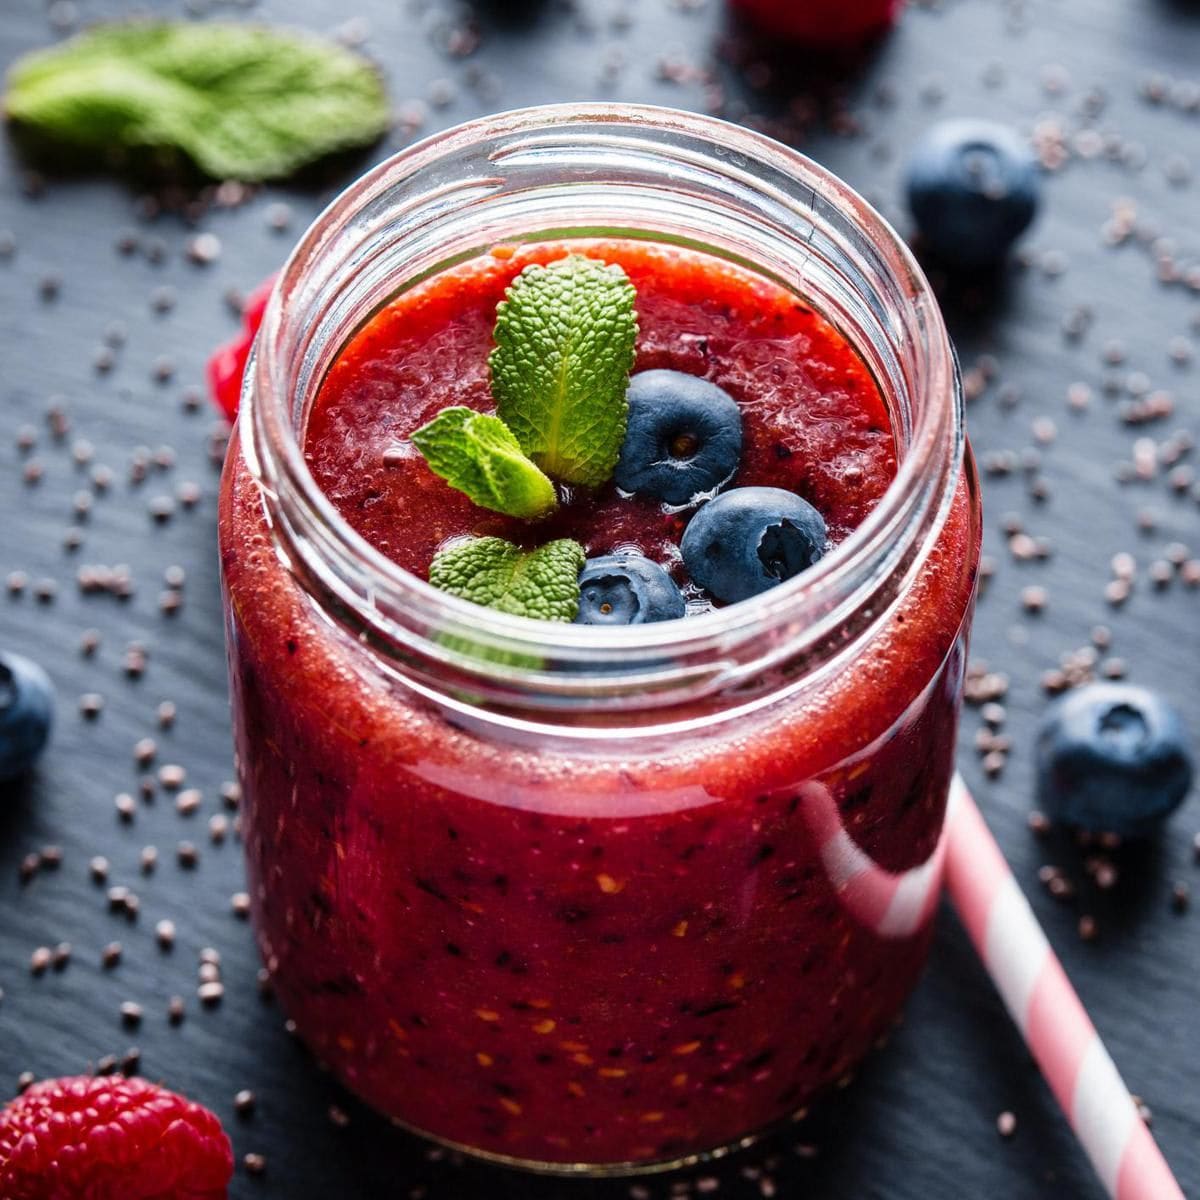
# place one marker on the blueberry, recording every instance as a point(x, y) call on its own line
point(684, 437)
point(751, 539)
point(26, 713)
point(1112, 758)
point(627, 589)
point(973, 188)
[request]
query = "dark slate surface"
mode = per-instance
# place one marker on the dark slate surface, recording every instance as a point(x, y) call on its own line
point(920, 1122)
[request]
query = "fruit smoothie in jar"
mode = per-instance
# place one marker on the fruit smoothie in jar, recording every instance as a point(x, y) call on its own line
point(616, 892)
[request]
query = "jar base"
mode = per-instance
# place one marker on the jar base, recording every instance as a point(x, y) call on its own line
point(621, 1170)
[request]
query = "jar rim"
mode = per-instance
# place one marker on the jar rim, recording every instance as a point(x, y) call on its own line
point(936, 441)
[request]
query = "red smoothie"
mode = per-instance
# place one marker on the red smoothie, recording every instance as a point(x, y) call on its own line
point(613, 952)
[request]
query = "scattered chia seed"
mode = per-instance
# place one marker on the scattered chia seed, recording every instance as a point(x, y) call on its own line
point(163, 299)
point(211, 993)
point(171, 776)
point(204, 249)
point(188, 801)
point(1116, 592)
point(994, 763)
point(279, 217)
point(1039, 824)
point(1033, 599)
point(162, 508)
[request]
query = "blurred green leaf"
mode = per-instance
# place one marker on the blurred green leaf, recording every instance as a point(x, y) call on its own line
point(241, 101)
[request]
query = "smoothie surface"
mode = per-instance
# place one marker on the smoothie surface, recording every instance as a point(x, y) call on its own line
point(814, 420)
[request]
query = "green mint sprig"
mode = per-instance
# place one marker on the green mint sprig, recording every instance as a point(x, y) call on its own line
point(565, 339)
point(478, 455)
point(241, 101)
point(565, 336)
point(542, 583)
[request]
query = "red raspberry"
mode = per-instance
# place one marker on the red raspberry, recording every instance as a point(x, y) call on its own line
point(110, 1138)
point(822, 22)
point(227, 363)
point(225, 368)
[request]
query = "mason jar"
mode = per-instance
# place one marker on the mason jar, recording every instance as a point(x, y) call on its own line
point(577, 898)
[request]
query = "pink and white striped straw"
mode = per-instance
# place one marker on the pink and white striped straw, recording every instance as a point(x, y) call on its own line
point(1047, 1011)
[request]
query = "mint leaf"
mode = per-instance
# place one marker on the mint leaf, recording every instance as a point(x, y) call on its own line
point(478, 455)
point(242, 102)
point(564, 349)
point(542, 583)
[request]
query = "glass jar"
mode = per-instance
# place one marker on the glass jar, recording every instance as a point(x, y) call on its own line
point(595, 899)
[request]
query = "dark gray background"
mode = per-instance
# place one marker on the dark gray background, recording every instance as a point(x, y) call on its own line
point(920, 1121)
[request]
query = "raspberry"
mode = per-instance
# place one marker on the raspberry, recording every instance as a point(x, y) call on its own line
point(227, 364)
point(822, 22)
point(110, 1138)
point(225, 368)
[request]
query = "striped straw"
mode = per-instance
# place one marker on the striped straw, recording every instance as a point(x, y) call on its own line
point(1047, 1011)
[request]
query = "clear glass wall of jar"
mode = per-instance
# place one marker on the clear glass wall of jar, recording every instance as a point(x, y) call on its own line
point(595, 902)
